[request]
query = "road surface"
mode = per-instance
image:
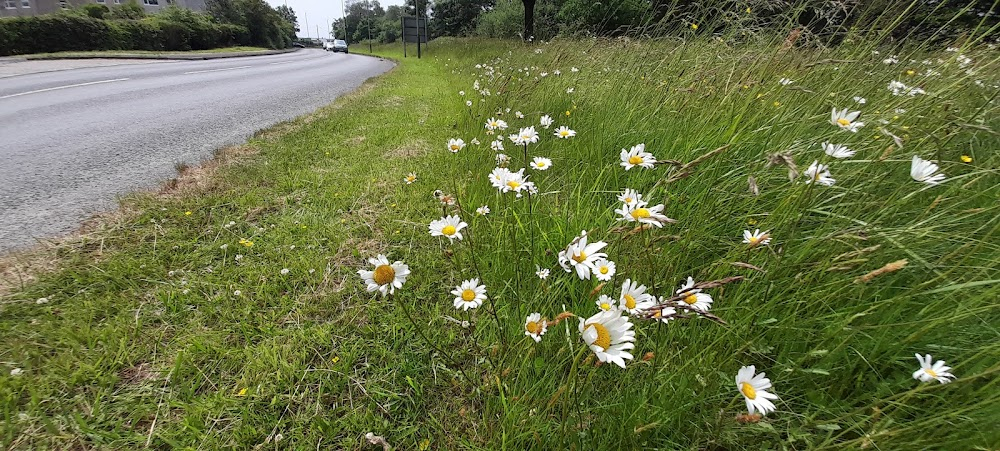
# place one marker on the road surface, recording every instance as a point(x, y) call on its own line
point(71, 141)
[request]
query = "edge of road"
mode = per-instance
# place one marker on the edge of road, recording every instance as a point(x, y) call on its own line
point(23, 265)
point(148, 56)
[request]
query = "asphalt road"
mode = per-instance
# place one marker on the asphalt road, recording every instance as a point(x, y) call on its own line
point(72, 141)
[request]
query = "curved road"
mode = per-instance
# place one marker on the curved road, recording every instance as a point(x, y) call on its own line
point(72, 141)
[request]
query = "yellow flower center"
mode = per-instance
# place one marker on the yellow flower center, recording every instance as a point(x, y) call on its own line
point(640, 213)
point(604, 270)
point(454, 147)
point(384, 274)
point(691, 299)
point(628, 200)
point(540, 164)
point(603, 335)
point(931, 372)
point(605, 306)
point(634, 159)
point(843, 122)
point(533, 327)
point(754, 239)
point(629, 301)
point(513, 185)
point(468, 295)
point(563, 133)
point(448, 230)
point(579, 258)
point(748, 390)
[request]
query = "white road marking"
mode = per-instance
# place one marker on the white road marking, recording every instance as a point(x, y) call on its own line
point(62, 87)
point(215, 70)
point(282, 62)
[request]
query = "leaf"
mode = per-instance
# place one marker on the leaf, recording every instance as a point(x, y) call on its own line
point(768, 321)
point(828, 427)
point(817, 371)
point(960, 286)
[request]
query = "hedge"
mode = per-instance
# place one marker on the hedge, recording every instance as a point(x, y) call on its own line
point(69, 32)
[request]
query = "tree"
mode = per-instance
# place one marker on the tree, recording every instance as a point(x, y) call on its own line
point(457, 17)
point(225, 11)
point(287, 13)
point(529, 19)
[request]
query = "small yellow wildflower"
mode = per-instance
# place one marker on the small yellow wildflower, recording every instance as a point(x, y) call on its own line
point(242, 392)
point(694, 26)
point(911, 72)
point(966, 159)
point(425, 444)
point(335, 359)
point(187, 213)
point(777, 103)
point(568, 113)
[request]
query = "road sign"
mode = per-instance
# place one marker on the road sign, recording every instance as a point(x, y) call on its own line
point(414, 28)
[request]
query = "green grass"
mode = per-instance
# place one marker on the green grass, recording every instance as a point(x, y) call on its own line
point(143, 338)
point(100, 53)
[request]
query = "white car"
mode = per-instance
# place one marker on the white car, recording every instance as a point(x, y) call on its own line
point(335, 45)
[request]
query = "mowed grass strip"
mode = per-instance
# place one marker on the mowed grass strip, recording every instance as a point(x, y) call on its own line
point(226, 310)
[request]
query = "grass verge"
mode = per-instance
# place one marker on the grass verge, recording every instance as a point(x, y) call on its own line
point(227, 311)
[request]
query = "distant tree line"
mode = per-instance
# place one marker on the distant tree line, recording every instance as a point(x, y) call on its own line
point(128, 27)
point(544, 19)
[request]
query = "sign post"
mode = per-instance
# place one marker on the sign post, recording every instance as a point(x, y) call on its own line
point(414, 30)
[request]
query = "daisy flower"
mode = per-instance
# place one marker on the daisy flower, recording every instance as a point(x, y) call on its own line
point(546, 121)
point(634, 298)
point(449, 226)
point(570, 90)
point(846, 120)
point(665, 314)
point(483, 211)
point(929, 372)
point(604, 269)
point(386, 277)
point(540, 163)
point(535, 326)
point(470, 294)
point(785, 81)
point(542, 273)
point(752, 386)
point(580, 255)
point(455, 144)
point(693, 297)
point(837, 150)
point(608, 334)
point(497, 146)
point(468, 103)
point(819, 173)
point(605, 303)
point(925, 171)
point(637, 156)
point(860, 100)
point(506, 181)
point(410, 178)
point(564, 132)
point(642, 213)
point(574, 69)
point(630, 197)
point(525, 136)
point(757, 238)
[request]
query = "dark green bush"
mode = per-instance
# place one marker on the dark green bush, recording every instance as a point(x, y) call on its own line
point(184, 30)
point(94, 10)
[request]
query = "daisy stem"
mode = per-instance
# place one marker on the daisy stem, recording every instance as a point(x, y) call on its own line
point(571, 379)
point(493, 306)
point(420, 331)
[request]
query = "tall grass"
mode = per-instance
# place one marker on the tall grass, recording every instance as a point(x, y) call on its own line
point(838, 349)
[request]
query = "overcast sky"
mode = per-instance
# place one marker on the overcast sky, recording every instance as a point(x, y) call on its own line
point(319, 13)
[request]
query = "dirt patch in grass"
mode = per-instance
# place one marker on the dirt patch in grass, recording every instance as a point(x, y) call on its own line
point(410, 149)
